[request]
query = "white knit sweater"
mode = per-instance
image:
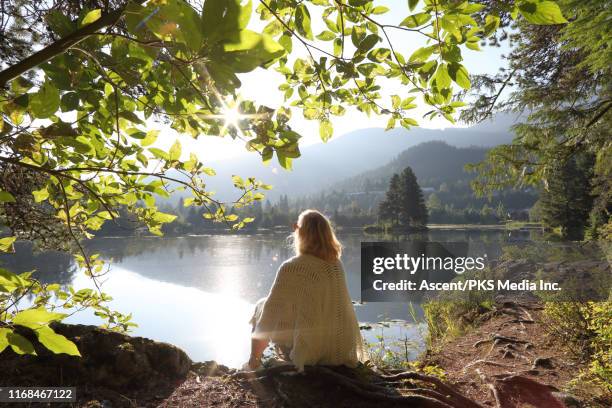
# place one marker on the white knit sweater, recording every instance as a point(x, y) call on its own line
point(309, 311)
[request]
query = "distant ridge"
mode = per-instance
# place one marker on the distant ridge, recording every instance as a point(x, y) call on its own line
point(323, 165)
point(433, 163)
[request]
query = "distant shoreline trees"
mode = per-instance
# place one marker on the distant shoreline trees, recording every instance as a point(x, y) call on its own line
point(404, 205)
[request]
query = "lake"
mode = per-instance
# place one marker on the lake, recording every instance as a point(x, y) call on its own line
point(197, 292)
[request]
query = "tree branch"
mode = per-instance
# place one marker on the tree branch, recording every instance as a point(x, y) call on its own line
point(59, 47)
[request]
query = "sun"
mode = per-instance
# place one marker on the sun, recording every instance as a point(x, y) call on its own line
point(231, 115)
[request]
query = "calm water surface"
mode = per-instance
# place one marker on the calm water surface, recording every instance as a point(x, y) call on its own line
point(197, 292)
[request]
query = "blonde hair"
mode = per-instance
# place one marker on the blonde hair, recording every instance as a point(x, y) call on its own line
point(315, 236)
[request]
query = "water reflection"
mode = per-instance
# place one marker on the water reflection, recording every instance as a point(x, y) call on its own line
point(50, 266)
point(197, 291)
point(206, 325)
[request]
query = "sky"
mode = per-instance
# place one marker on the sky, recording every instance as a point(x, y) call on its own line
point(261, 86)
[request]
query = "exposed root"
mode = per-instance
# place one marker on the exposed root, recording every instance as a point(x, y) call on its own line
point(499, 339)
point(379, 388)
point(460, 400)
point(487, 362)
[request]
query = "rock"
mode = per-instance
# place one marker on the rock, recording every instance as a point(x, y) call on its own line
point(113, 360)
point(543, 362)
point(569, 400)
point(211, 369)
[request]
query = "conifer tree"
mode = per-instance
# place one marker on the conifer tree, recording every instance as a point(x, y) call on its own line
point(412, 209)
point(404, 203)
point(388, 209)
point(567, 201)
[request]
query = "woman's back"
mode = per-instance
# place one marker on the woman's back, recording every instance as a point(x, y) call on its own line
point(309, 310)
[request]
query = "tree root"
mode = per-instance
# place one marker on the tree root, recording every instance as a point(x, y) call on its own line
point(487, 362)
point(460, 400)
point(382, 391)
point(497, 339)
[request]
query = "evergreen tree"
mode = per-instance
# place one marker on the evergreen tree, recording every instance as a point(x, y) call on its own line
point(567, 201)
point(389, 208)
point(404, 203)
point(412, 209)
point(560, 81)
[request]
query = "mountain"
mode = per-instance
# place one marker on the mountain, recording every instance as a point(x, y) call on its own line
point(323, 164)
point(433, 163)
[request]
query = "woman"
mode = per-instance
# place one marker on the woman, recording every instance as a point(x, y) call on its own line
point(308, 313)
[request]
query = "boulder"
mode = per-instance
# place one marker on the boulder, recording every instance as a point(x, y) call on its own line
point(112, 360)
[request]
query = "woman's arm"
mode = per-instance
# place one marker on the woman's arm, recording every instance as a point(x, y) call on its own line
point(274, 310)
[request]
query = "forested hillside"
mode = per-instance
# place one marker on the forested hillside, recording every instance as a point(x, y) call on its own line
point(433, 163)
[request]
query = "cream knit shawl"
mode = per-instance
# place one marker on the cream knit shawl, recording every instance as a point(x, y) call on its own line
point(309, 311)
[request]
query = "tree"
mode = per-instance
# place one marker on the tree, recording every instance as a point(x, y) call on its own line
point(567, 201)
point(434, 202)
point(389, 208)
point(82, 83)
point(404, 203)
point(412, 209)
point(558, 79)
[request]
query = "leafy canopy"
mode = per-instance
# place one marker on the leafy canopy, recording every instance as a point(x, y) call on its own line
point(77, 105)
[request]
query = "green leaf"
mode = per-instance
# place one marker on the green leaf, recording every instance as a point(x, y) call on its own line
point(460, 75)
point(326, 35)
point(249, 51)
point(90, 17)
point(267, 154)
point(416, 20)
point(10, 281)
point(421, 54)
point(34, 318)
point(408, 122)
point(395, 101)
point(45, 102)
point(491, 24)
point(175, 151)
point(6, 197)
point(224, 18)
point(4, 332)
point(441, 77)
point(159, 153)
point(284, 161)
point(302, 21)
point(59, 23)
point(20, 344)
point(150, 138)
point(380, 10)
point(541, 12)
point(131, 116)
point(56, 342)
point(368, 42)
point(326, 130)
point(163, 217)
point(40, 195)
point(412, 4)
point(69, 101)
point(6, 244)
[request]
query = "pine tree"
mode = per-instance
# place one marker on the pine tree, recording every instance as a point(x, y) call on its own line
point(567, 201)
point(404, 203)
point(412, 209)
point(389, 208)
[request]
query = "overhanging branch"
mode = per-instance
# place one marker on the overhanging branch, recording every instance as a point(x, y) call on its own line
point(59, 47)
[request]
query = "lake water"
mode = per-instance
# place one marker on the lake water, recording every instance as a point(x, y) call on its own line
point(197, 292)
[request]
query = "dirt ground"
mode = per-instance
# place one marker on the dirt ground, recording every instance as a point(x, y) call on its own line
point(508, 361)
